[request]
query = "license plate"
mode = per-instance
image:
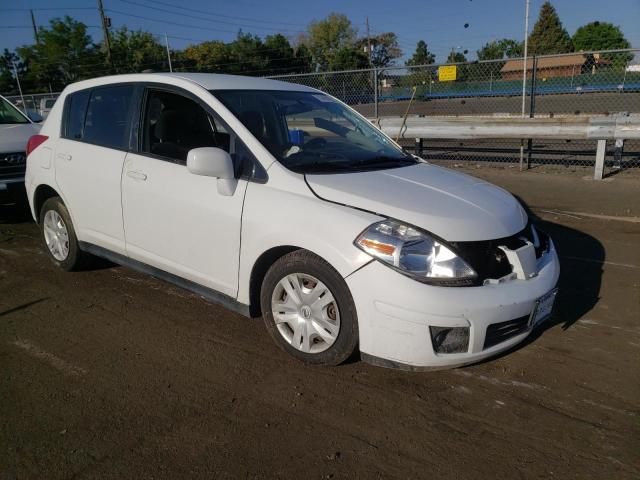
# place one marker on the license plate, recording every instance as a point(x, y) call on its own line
point(543, 308)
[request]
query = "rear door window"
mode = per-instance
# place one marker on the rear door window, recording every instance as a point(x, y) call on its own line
point(107, 119)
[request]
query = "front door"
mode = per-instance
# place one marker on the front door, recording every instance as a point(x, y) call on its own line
point(174, 220)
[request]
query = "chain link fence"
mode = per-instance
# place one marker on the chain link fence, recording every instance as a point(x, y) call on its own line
point(589, 83)
point(576, 84)
point(39, 103)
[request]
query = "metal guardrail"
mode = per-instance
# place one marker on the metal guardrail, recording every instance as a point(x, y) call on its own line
point(565, 128)
point(616, 128)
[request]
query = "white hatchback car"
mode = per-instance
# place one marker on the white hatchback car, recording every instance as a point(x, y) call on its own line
point(275, 198)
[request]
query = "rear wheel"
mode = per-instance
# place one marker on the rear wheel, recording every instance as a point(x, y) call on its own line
point(308, 309)
point(59, 236)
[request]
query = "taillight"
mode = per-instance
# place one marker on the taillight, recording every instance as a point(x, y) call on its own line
point(34, 142)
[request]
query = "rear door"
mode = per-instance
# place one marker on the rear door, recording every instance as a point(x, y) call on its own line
point(174, 220)
point(89, 158)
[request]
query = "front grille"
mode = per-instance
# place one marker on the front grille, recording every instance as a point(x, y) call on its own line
point(489, 261)
point(12, 165)
point(503, 331)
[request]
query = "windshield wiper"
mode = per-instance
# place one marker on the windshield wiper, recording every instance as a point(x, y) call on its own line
point(324, 166)
point(353, 165)
point(383, 161)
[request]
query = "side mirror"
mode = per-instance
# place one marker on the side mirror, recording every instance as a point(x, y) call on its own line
point(210, 162)
point(34, 117)
point(213, 162)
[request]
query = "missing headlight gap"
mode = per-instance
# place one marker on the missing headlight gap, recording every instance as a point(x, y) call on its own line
point(450, 339)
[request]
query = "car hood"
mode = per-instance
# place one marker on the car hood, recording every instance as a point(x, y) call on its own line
point(451, 205)
point(14, 136)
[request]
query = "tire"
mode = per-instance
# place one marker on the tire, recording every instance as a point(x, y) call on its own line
point(315, 321)
point(67, 255)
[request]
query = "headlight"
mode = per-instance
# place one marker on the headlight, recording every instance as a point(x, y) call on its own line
point(415, 253)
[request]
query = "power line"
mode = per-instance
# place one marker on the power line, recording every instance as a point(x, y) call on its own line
point(31, 27)
point(180, 7)
point(44, 9)
point(186, 15)
point(166, 22)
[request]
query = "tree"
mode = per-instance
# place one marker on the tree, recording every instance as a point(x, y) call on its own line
point(422, 55)
point(212, 56)
point(599, 36)
point(348, 58)
point(7, 81)
point(279, 54)
point(500, 49)
point(384, 48)
point(135, 51)
point(247, 54)
point(302, 60)
point(548, 35)
point(65, 54)
point(456, 57)
point(325, 38)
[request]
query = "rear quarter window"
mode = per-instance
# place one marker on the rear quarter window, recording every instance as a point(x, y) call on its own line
point(76, 108)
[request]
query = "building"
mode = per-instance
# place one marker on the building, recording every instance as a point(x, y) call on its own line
point(556, 66)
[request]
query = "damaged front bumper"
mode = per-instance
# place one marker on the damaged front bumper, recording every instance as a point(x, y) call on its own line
point(395, 313)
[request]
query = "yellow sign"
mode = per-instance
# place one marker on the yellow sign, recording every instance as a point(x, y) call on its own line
point(447, 73)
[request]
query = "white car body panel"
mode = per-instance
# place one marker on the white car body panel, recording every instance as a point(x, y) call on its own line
point(452, 205)
point(89, 178)
point(178, 222)
point(181, 224)
point(284, 212)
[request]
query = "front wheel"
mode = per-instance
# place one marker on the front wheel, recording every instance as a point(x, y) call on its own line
point(308, 309)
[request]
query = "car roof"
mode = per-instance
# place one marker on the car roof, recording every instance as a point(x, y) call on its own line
point(209, 81)
point(218, 81)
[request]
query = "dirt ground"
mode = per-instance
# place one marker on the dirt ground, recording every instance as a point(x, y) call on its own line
point(112, 374)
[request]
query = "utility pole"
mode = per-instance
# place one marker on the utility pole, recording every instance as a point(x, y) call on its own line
point(105, 31)
point(368, 43)
point(524, 72)
point(35, 29)
point(524, 62)
point(15, 71)
point(166, 42)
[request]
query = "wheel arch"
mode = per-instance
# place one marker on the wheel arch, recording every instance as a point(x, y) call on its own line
point(41, 194)
point(259, 270)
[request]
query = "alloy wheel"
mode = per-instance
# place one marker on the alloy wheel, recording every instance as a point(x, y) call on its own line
point(56, 235)
point(305, 313)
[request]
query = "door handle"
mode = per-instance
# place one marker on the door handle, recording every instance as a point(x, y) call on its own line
point(64, 156)
point(136, 175)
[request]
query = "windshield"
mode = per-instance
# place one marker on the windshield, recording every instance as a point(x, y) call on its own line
point(312, 133)
point(10, 114)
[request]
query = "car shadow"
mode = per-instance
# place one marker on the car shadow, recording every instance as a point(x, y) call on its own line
point(14, 207)
point(581, 257)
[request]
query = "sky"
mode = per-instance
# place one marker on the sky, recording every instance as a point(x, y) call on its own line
point(440, 23)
